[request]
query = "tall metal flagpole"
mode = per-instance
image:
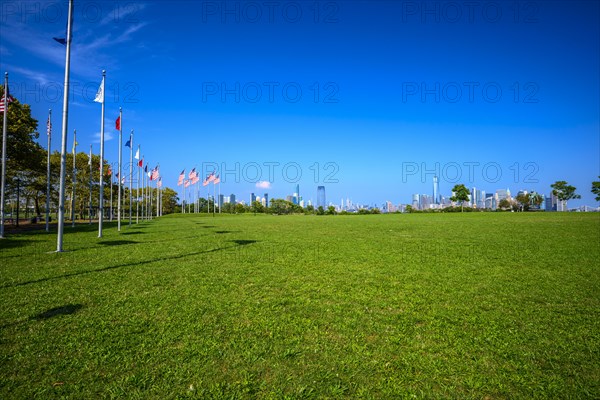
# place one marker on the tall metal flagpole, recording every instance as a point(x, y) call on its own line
point(120, 173)
point(111, 195)
point(137, 194)
point(101, 203)
point(49, 133)
point(90, 208)
point(65, 120)
point(4, 133)
point(130, 173)
point(74, 176)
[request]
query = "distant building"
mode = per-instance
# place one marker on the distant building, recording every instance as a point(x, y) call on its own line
point(252, 198)
point(232, 198)
point(266, 199)
point(221, 200)
point(321, 199)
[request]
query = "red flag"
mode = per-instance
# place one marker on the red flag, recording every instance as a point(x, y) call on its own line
point(109, 171)
point(140, 163)
point(118, 123)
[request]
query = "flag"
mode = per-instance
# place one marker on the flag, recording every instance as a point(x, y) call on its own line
point(123, 181)
point(75, 144)
point(140, 163)
point(159, 183)
point(137, 154)
point(155, 174)
point(192, 173)
point(48, 127)
point(90, 157)
point(4, 100)
point(118, 123)
point(128, 144)
point(211, 177)
point(206, 181)
point(195, 179)
point(100, 95)
point(109, 171)
point(62, 41)
point(146, 170)
point(181, 177)
point(216, 180)
point(186, 183)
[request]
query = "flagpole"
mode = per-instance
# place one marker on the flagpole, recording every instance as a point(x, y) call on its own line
point(111, 195)
point(130, 172)
point(74, 176)
point(90, 208)
point(137, 194)
point(4, 124)
point(101, 205)
point(49, 132)
point(120, 174)
point(220, 205)
point(65, 120)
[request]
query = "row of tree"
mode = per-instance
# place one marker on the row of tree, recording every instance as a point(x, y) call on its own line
point(526, 201)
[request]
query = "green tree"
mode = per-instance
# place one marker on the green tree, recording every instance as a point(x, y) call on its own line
point(320, 210)
point(461, 194)
point(596, 189)
point(169, 200)
point(564, 192)
point(331, 210)
point(523, 201)
point(257, 207)
point(504, 204)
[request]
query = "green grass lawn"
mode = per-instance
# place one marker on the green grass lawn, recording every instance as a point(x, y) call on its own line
point(478, 305)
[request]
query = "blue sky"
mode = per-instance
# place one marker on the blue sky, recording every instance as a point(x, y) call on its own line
point(369, 99)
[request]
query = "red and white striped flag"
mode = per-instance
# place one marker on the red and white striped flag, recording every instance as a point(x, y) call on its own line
point(181, 178)
point(2, 101)
point(216, 180)
point(187, 183)
point(159, 183)
point(195, 179)
point(192, 173)
point(155, 174)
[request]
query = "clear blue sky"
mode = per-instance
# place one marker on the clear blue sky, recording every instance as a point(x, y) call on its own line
point(518, 90)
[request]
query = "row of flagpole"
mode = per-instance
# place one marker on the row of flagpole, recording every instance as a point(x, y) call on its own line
point(194, 178)
point(153, 175)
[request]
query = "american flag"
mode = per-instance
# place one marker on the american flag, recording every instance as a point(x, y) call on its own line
point(159, 183)
point(181, 178)
point(216, 180)
point(192, 173)
point(155, 174)
point(187, 183)
point(195, 179)
point(211, 177)
point(48, 127)
point(10, 100)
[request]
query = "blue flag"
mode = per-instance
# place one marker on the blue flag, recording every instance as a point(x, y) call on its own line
point(62, 41)
point(128, 144)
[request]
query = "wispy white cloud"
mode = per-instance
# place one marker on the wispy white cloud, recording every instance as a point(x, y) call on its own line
point(263, 185)
point(107, 136)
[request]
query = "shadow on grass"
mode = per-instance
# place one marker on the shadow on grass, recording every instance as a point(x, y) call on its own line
point(133, 233)
point(53, 312)
point(208, 226)
point(117, 242)
point(7, 243)
point(241, 242)
point(166, 258)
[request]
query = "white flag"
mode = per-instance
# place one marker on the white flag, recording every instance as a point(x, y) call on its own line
point(90, 157)
point(100, 95)
point(137, 154)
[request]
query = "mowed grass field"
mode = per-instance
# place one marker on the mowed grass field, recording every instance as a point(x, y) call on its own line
point(479, 305)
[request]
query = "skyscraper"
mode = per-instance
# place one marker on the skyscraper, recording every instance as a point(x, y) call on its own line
point(321, 197)
point(435, 189)
point(252, 198)
point(232, 199)
point(266, 199)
